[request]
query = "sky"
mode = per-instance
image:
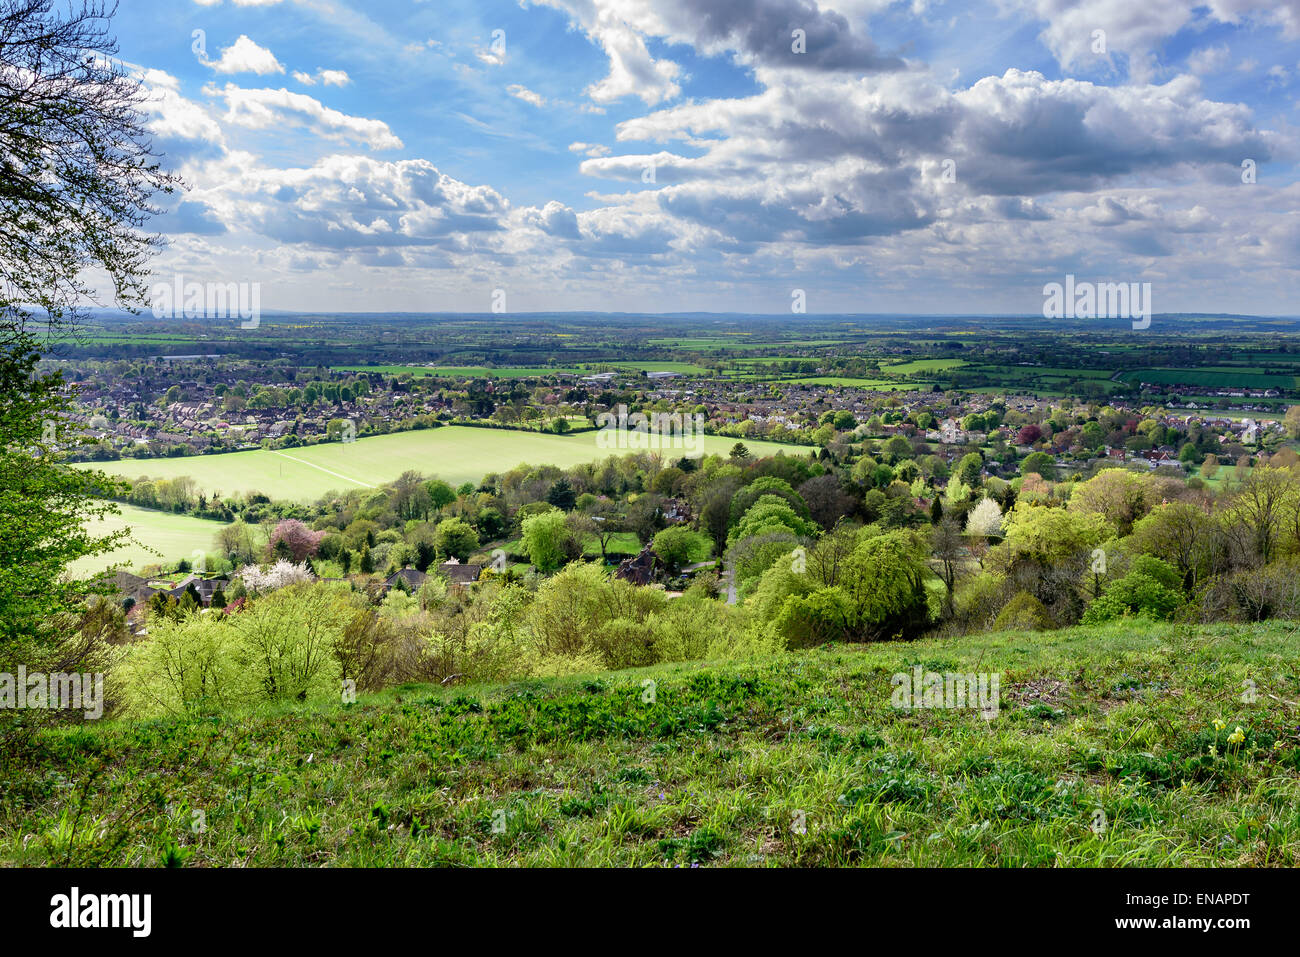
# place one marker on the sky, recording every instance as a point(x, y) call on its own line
point(929, 156)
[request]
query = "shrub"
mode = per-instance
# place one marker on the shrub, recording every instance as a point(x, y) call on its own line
point(1024, 612)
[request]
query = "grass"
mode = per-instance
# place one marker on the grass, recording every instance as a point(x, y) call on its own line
point(457, 454)
point(922, 365)
point(159, 536)
point(879, 385)
point(1216, 377)
point(796, 761)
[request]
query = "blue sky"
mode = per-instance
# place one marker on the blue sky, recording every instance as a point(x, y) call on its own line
point(677, 155)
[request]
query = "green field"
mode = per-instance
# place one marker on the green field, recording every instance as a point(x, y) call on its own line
point(922, 365)
point(456, 454)
point(523, 372)
point(798, 760)
point(880, 385)
point(1220, 378)
point(159, 537)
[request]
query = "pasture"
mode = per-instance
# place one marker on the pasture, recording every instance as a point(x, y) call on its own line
point(158, 537)
point(456, 454)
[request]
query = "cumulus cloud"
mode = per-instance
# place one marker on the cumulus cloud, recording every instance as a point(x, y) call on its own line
point(245, 56)
point(351, 202)
point(1139, 29)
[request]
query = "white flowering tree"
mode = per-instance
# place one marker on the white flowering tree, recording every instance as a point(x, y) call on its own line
point(282, 573)
point(985, 519)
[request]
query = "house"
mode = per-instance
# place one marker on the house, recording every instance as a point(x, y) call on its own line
point(140, 590)
point(639, 570)
point(458, 575)
point(414, 578)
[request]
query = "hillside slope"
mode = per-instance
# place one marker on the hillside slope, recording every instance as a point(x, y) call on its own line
point(1105, 751)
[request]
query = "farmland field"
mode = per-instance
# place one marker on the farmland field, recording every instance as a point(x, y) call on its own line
point(922, 365)
point(1207, 378)
point(159, 536)
point(884, 385)
point(456, 454)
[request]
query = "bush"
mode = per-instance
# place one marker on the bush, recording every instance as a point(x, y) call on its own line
point(1139, 593)
point(1024, 612)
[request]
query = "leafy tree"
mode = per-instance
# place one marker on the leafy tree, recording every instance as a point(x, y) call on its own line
point(561, 494)
point(78, 182)
point(45, 507)
point(440, 493)
point(456, 537)
point(1040, 463)
point(547, 540)
point(677, 546)
point(969, 469)
point(1120, 496)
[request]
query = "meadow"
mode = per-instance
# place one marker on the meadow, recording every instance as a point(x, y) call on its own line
point(1131, 744)
point(456, 454)
point(1218, 378)
point(158, 537)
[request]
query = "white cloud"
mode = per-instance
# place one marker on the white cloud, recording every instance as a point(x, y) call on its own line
point(525, 94)
point(245, 56)
point(266, 109)
point(590, 149)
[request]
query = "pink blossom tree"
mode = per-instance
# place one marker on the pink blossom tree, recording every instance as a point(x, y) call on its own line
point(300, 540)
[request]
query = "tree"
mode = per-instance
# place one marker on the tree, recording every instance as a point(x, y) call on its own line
point(740, 452)
point(44, 507)
point(1292, 421)
point(546, 540)
point(561, 494)
point(985, 519)
point(678, 546)
point(77, 184)
point(456, 537)
point(1040, 463)
point(297, 539)
point(948, 548)
point(1118, 495)
point(969, 469)
point(79, 172)
point(440, 493)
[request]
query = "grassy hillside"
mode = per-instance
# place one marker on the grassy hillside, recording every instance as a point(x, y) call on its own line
point(721, 768)
point(456, 454)
point(158, 536)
